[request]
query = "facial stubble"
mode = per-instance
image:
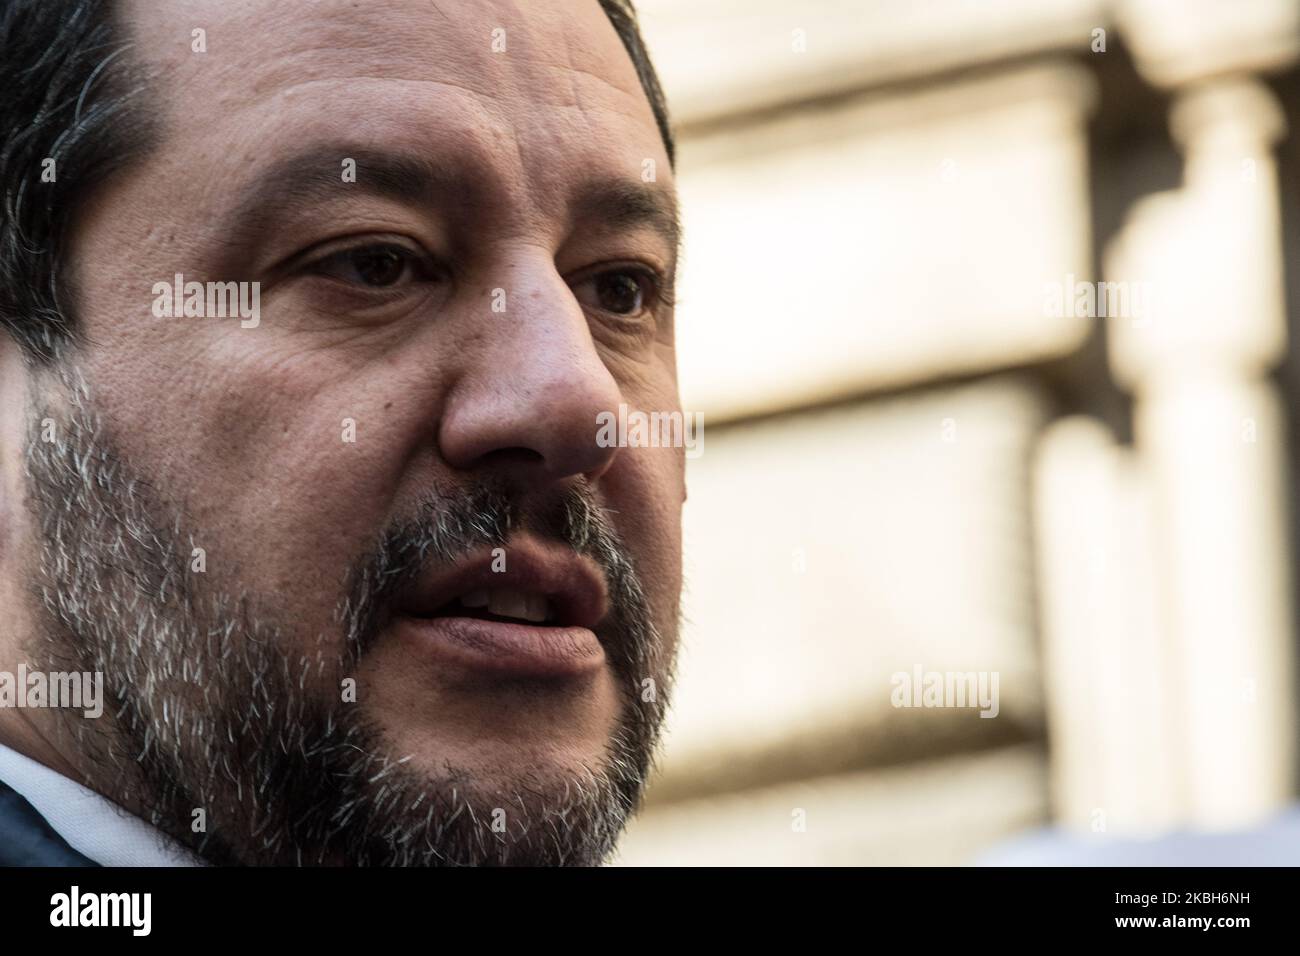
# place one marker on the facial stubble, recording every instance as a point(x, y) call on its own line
point(221, 727)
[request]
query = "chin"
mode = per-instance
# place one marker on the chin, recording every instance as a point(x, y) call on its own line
point(500, 733)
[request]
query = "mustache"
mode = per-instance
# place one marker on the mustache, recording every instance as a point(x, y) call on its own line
point(448, 524)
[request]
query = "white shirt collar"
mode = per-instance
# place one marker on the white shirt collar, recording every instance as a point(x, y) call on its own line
point(92, 825)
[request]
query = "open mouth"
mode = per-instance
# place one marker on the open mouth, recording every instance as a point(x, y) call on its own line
point(506, 605)
point(539, 618)
point(541, 586)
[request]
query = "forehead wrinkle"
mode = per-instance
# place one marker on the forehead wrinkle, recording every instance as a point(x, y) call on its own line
point(619, 68)
point(345, 43)
point(526, 191)
point(491, 94)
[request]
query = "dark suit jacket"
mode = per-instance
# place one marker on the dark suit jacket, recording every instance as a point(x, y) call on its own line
point(27, 840)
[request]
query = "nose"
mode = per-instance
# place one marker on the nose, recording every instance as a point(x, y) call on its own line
point(526, 404)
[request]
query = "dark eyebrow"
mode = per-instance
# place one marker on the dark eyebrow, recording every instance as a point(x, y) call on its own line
point(315, 175)
point(623, 204)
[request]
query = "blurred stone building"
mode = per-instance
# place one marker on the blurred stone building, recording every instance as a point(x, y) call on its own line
point(986, 307)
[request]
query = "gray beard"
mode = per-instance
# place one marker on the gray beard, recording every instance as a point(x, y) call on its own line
point(208, 705)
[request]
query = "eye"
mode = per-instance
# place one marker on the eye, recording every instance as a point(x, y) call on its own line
point(618, 291)
point(375, 266)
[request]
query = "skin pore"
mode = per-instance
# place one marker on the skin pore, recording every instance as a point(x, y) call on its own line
point(482, 177)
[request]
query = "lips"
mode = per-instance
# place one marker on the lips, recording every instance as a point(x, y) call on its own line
point(530, 610)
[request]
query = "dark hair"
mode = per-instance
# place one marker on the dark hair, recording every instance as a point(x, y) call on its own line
point(623, 16)
point(69, 93)
point(59, 101)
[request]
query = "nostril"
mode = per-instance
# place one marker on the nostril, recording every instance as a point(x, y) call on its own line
point(512, 456)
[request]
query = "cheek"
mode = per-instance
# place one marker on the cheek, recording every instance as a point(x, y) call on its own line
point(645, 487)
point(284, 471)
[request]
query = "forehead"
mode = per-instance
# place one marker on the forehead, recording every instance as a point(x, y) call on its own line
point(536, 93)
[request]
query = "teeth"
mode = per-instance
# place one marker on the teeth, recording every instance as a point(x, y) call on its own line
point(538, 607)
point(505, 602)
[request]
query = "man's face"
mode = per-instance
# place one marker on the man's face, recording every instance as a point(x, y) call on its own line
point(409, 431)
